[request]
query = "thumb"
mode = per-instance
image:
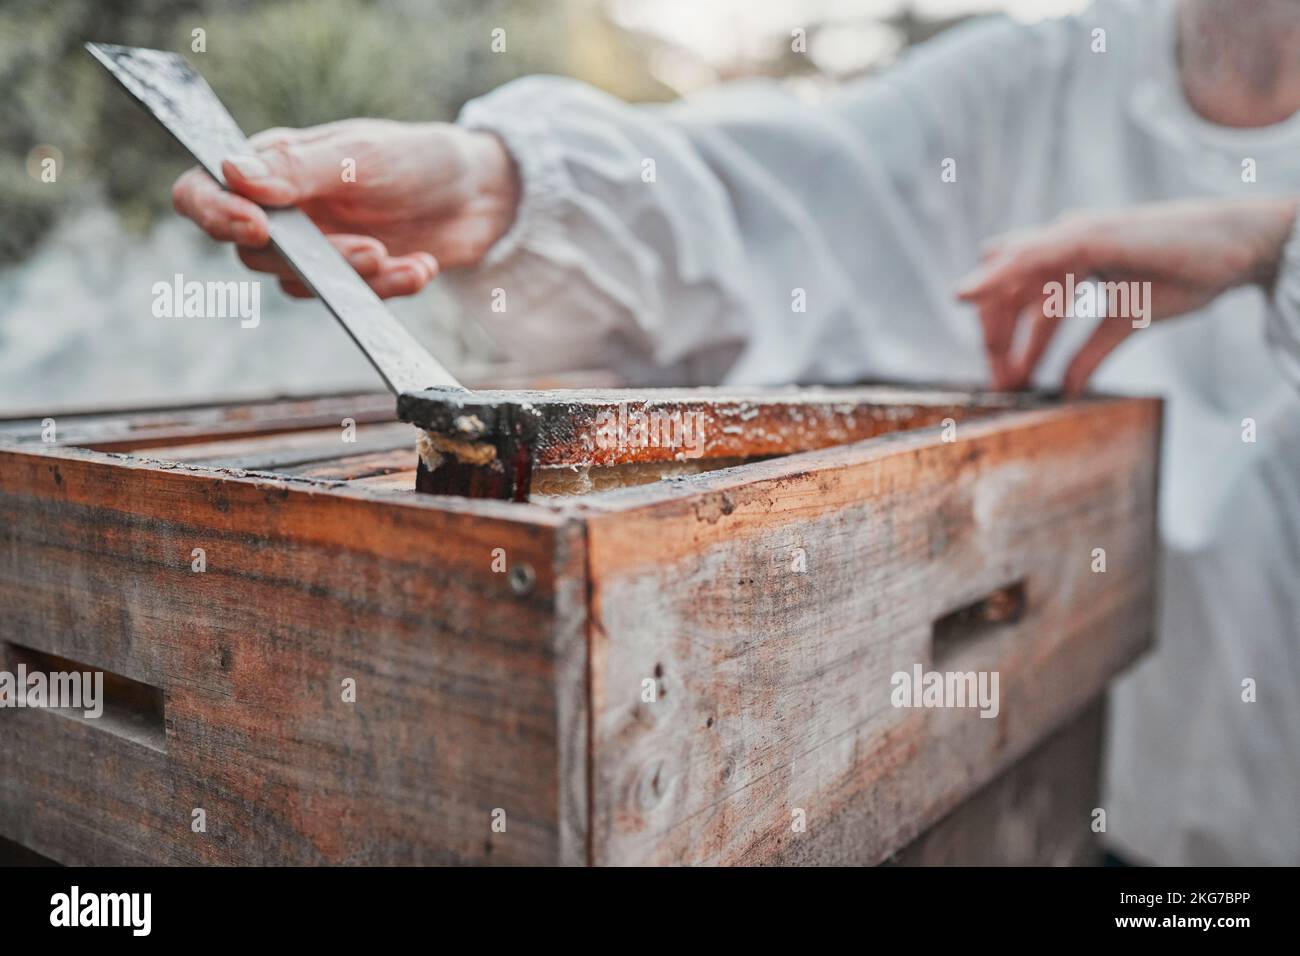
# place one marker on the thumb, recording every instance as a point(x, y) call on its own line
point(284, 173)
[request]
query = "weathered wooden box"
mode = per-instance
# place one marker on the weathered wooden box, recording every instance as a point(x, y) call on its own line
point(692, 670)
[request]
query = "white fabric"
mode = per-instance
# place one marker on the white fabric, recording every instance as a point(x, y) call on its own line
point(690, 278)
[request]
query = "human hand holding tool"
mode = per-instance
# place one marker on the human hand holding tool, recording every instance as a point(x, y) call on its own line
point(169, 88)
point(398, 200)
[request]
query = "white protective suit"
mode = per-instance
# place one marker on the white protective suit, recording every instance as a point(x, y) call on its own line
point(689, 279)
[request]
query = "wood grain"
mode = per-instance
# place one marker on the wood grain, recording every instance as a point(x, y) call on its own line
point(117, 429)
point(774, 686)
point(526, 431)
point(470, 696)
point(1038, 812)
point(288, 452)
point(479, 690)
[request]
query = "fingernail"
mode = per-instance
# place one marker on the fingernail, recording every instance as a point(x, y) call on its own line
point(250, 167)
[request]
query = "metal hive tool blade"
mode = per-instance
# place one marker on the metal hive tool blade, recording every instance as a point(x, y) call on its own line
point(180, 99)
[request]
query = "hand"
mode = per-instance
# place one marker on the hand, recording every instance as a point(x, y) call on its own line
point(1190, 253)
point(424, 196)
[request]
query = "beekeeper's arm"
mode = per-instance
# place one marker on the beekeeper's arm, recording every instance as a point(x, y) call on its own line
point(744, 237)
point(694, 242)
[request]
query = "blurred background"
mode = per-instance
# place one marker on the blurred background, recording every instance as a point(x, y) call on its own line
point(79, 255)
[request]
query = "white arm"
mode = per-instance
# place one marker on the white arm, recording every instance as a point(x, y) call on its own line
point(678, 244)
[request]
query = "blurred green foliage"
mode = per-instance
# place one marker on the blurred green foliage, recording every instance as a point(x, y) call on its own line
point(274, 63)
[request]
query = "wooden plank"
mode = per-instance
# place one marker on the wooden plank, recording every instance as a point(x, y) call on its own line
point(372, 465)
point(774, 685)
point(565, 427)
point(118, 428)
point(1038, 812)
point(470, 687)
point(487, 444)
point(397, 480)
point(125, 429)
point(288, 451)
point(477, 689)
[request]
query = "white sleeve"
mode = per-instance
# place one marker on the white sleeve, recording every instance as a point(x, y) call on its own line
point(674, 243)
point(1284, 314)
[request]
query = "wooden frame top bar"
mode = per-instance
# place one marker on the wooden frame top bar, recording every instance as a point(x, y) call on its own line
point(489, 443)
point(486, 443)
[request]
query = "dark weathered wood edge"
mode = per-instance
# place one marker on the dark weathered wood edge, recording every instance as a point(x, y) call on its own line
point(489, 442)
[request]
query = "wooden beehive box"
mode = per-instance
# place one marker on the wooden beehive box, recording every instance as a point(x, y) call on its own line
point(503, 652)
